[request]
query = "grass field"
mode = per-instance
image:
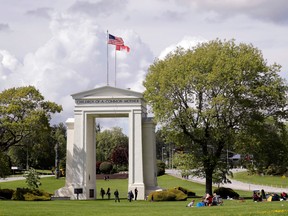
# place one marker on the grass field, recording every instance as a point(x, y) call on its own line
point(135, 208)
point(109, 207)
point(274, 181)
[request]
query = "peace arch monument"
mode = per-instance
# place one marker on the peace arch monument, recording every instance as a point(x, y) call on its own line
point(108, 102)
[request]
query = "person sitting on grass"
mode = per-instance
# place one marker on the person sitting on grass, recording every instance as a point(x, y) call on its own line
point(216, 200)
point(283, 195)
point(208, 200)
point(256, 197)
point(191, 203)
point(201, 204)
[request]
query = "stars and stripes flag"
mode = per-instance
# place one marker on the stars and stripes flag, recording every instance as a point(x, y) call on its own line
point(115, 40)
point(119, 46)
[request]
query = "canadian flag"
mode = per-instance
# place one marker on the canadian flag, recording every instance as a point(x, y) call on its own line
point(122, 47)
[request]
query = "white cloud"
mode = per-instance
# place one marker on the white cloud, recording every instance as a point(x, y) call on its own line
point(66, 52)
point(8, 64)
point(99, 8)
point(43, 12)
point(74, 59)
point(264, 10)
point(187, 43)
point(4, 27)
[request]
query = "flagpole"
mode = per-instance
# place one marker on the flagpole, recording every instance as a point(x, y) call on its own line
point(107, 60)
point(115, 67)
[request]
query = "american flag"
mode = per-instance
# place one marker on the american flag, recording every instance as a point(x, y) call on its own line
point(115, 40)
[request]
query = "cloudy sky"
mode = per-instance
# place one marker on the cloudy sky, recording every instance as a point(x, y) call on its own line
point(60, 45)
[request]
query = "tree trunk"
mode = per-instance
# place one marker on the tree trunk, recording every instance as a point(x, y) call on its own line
point(209, 174)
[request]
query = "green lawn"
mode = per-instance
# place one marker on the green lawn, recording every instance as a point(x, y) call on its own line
point(109, 207)
point(274, 181)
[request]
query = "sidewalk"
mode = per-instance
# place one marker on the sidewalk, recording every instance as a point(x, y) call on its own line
point(20, 178)
point(236, 185)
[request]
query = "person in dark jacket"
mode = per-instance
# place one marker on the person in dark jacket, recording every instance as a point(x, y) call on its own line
point(102, 193)
point(108, 193)
point(116, 195)
point(130, 195)
point(136, 193)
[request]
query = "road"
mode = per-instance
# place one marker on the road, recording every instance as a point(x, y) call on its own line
point(20, 178)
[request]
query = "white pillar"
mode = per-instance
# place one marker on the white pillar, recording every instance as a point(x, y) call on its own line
point(79, 156)
point(136, 178)
point(149, 155)
point(90, 163)
point(69, 152)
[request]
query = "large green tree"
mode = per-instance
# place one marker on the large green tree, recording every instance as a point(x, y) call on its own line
point(110, 141)
point(23, 113)
point(39, 149)
point(266, 147)
point(204, 96)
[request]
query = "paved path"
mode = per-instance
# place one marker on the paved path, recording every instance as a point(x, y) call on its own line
point(20, 178)
point(237, 185)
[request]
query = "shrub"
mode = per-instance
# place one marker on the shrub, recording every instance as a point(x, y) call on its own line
point(160, 168)
point(31, 195)
point(167, 195)
point(106, 167)
point(188, 192)
point(122, 168)
point(98, 163)
point(162, 196)
point(225, 192)
point(6, 193)
point(180, 196)
point(32, 178)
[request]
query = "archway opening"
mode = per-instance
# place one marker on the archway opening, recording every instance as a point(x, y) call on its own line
point(112, 157)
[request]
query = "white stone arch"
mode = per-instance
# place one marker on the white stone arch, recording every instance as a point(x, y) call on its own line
point(80, 160)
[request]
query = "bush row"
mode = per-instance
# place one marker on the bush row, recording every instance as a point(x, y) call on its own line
point(25, 194)
point(173, 194)
point(180, 194)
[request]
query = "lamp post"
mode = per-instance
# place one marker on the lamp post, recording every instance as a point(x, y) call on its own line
point(57, 171)
point(172, 158)
point(27, 158)
point(163, 154)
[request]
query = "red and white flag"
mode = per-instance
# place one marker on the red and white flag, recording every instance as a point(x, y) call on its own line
point(122, 48)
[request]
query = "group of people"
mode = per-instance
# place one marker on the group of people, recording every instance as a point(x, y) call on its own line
point(102, 193)
point(131, 196)
point(262, 196)
point(108, 193)
point(258, 197)
point(106, 178)
point(207, 200)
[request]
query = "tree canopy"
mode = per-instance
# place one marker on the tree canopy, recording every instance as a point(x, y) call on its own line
point(23, 112)
point(112, 145)
point(203, 97)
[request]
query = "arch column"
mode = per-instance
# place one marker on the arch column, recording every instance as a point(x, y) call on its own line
point(90, 160)
point(136, 174)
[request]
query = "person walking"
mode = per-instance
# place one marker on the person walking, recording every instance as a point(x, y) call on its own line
point(116, 195)
point(108, 193)
point(136, 193)
point(102, 193)
point(130, 195)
